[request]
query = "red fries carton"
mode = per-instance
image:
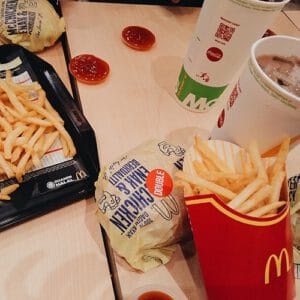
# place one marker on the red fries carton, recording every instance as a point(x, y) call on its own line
point(241, 256)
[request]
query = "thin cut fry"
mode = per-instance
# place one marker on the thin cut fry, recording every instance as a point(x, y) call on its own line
point(197, 190)
point(257, 161)
point(255, 199)
point(266, 209)
point(206, 184)
point(16, 154)
point(59, 127)
point(5, 125)
point(11, 139)
point(276, 186)
point(204, 149)
point(13, 98)
point(5, 166)
point(246, 193)
point(213, 175)
point(281, 158)
point(3, 109)
point(50, 108)
point(38, 121)
point(4, 197)
point(51, 137)
point(21, 166)
point(9, 189)
point(246, 166)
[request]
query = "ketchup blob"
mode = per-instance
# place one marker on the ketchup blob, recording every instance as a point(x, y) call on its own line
point(138, 38)
point(88, 68)
point(154, 295)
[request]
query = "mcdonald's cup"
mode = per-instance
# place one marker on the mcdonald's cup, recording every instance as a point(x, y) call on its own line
point(219, 47)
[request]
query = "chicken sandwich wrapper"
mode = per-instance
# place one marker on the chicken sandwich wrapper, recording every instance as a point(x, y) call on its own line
point(141, 212)
point(32, 24)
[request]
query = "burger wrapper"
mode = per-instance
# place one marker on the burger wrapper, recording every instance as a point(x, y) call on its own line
point(140, 211)
point(32, 24)
point(294, 194)
point(242, 257)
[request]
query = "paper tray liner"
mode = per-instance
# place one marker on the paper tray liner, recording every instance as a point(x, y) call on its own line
point(242, 257)
point(60, 181)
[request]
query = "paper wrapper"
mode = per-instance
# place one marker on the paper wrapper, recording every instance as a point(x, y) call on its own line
point(32, 24)
point(140, 211)
point(294, 193)
point(241, 257)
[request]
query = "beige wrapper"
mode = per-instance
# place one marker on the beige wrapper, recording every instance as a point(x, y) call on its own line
point(142, 228)
point(295, 220)
point(31, 24)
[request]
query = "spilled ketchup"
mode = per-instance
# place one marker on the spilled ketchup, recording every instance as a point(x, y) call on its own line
point(88, 68)
point(154, 295)
point(138, 38)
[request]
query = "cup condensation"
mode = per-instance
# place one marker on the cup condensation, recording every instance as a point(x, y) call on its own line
point(220, 45)
point(258, 108)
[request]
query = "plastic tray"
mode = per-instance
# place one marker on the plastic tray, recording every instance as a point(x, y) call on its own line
point(58, 185)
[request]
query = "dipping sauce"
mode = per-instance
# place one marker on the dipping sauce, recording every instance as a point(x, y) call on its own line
point(154, 295)
point(88, 68)
point(138, 38)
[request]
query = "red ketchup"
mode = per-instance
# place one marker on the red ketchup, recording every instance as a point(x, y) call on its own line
point(154, 295)
point(138, 38)
point(88, 68)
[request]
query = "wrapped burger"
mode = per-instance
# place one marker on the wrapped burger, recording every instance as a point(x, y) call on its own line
point(32, 24)
point(140, 210)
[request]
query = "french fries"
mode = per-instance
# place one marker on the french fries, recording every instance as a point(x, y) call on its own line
point(29, 126)
point(249, 184)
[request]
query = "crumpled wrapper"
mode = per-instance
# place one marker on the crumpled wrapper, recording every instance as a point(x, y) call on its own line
point(294, 188)
point(142, 213)
point(32, 24)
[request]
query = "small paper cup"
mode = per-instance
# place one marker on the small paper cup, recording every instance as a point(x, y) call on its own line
point(139, 292)
point(258, 107)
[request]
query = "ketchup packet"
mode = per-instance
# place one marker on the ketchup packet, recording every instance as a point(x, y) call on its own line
point(141, 212)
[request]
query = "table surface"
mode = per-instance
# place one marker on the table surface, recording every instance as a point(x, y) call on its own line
point(61, 255)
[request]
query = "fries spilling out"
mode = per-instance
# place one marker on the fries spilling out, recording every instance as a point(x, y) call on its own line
point(29, 126)
point(243, 180)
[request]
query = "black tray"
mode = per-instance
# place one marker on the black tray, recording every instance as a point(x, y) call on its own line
point(56, 186)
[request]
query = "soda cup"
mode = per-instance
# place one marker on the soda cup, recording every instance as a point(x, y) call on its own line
point(219, 47)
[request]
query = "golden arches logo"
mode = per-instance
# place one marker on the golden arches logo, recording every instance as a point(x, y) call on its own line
point(80, 175)
point(277, 261)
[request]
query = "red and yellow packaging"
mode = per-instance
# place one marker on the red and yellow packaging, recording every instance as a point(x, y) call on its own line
point(242, 257)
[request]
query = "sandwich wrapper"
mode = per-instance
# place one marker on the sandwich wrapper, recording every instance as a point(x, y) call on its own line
point(241, 257)
point(138, 208)
point(32, 24)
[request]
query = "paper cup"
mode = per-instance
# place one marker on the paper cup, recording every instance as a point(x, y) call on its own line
point(241, 257)
point(258, 108)
point(153, 291)
point(224, 33)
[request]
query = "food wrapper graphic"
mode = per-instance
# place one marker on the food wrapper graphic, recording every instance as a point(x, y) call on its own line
point(143, 216)
point(242, 256)
point(32, 24)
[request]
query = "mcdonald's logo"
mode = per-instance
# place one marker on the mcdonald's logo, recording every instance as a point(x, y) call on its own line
point(80, 175)
point(278, 262)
